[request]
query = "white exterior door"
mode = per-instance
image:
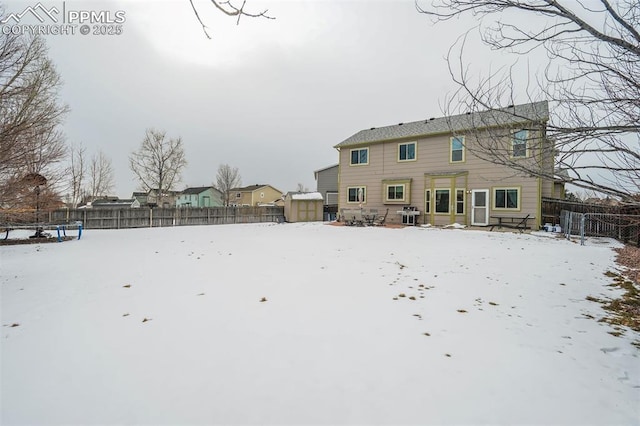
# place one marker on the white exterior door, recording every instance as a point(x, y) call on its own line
point(480, 207)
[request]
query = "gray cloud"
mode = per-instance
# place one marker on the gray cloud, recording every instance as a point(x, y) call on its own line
point(269, 97)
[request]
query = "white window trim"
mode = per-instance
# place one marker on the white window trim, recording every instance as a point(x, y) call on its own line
point(357, 187)
point(526, 143)
point(464, 151)
point(435, 203)
point(415, 152)
point(351, 156)
point(395, 200)
point(428, 201)
point(464, 201)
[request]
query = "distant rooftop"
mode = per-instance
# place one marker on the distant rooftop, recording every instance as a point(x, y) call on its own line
point(196, 190)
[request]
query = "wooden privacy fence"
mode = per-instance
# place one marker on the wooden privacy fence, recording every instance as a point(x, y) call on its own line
point(158, 217)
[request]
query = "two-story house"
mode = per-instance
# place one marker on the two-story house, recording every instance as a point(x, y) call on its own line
point(167, 200)
point(254, 195)
point(433, 166)
point(202, 196)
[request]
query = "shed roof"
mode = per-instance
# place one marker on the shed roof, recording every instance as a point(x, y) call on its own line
point(305, 196)
point(532, 112)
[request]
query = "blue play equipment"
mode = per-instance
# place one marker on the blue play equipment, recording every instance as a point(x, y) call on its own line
point(61, 229)
point(64, 231)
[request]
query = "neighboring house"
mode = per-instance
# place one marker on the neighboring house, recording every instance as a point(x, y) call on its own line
point(114, 204)
point(254, 195)
point(327, 184)
point(203, 196)
point(168, 198)
point(141, 197)
point(303, 206)
point(429, 166)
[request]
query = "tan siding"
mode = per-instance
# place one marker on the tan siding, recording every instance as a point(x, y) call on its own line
point(433, 155)
point(270, 195)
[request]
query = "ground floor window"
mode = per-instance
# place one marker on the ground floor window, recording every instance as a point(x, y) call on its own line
point(442, 200)
point(459, 201)
point(356, 194)
point(395, 192)
point(427, 201)
point(506, 198)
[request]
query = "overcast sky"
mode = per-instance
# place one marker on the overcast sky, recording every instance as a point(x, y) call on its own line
point(271, 97)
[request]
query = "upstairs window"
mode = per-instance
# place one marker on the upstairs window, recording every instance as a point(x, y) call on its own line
point(457, 149)
point(519, 144)
point(359, 156)
point(407, 151)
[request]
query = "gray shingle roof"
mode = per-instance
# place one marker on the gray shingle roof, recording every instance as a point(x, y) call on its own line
point(196, 190)
point(123, 202)
point(248, 188)
point(536, 112)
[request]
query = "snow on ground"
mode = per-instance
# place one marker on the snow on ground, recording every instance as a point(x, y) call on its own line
point(492, 328)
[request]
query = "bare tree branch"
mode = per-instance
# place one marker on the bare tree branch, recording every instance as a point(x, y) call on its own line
point(101, 179)
point(30, 115)
point(77, 173)
point(158, 163)
point(227, 179)
point(229, 9)
point(592, 81)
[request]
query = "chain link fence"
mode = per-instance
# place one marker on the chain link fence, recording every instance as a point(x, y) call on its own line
point(622, 227)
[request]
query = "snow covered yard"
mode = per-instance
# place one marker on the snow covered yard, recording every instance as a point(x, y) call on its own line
point(359, 325)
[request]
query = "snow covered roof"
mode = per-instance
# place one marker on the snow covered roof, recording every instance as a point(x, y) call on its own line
point(306, 196)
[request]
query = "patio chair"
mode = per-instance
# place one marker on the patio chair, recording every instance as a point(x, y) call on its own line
point(380, 220)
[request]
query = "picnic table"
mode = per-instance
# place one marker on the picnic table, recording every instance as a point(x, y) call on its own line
point(514, 222)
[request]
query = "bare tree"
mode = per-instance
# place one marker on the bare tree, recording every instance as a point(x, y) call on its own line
point(227, 178)
point(30, 115)
point(592, 81)
point(101, 179)
point(158, 163)
point(301, 188)
point(77, 173)
point(230, 8)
